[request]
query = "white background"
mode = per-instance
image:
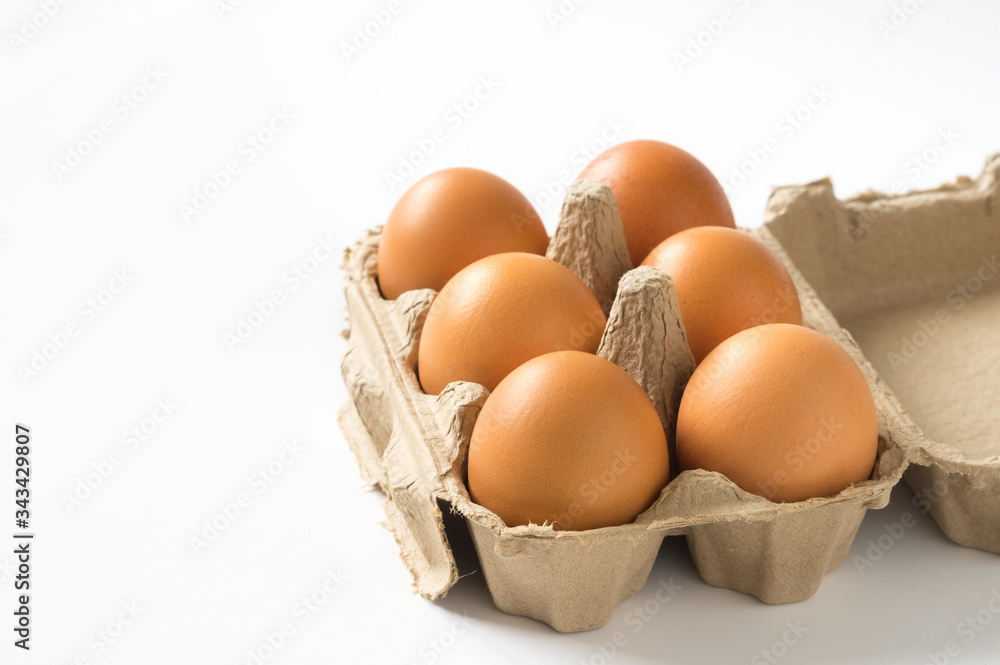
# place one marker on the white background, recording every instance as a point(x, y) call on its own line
point(191, 281)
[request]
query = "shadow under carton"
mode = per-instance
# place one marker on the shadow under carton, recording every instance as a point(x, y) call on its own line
point(414, 447)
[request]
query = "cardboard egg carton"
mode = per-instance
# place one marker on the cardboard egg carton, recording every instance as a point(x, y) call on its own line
point(915, 278)
point(414, 447)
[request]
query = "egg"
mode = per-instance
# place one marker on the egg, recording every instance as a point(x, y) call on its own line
point(660, 190)
point(726, 282)
point(448, 220)
point(569, 439)
point(783, 412)
point(502, 311)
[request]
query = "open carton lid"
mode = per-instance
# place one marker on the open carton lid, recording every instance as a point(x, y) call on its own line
point(914, 277)
point(414, 445)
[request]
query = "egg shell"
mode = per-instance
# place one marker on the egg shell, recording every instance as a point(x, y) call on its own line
point(500, 312)
point(449, 220)
point(783, 412)
point(414, 446)
point(726, 282)
point(568, 439)
point(661, 190)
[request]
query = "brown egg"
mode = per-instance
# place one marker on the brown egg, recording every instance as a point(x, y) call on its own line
point(726, 282)
point(660, 190)
point(502, 311)
point(570, 439)
point(448, 220)
point(782, 411)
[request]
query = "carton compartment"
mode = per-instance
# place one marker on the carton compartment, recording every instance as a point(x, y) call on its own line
point(792, 573)
point(414, 447)
point(933, 355)
point(914, 278)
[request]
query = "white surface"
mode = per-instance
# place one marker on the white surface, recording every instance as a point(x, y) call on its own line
point(163, 336)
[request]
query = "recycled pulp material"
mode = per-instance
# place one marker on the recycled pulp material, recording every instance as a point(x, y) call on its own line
point(414, 447)
point(914, 277)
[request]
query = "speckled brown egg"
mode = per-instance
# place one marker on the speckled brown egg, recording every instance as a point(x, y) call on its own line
point(447, 221)
point(569, 439)
point(783, 412)
point(502, 311)
point(660, 190)
point(726, 282)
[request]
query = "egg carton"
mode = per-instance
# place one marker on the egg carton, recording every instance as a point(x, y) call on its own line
point(414, 447)
point(916, 278)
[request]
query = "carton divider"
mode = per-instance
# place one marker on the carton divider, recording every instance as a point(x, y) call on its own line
point(414, 446)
